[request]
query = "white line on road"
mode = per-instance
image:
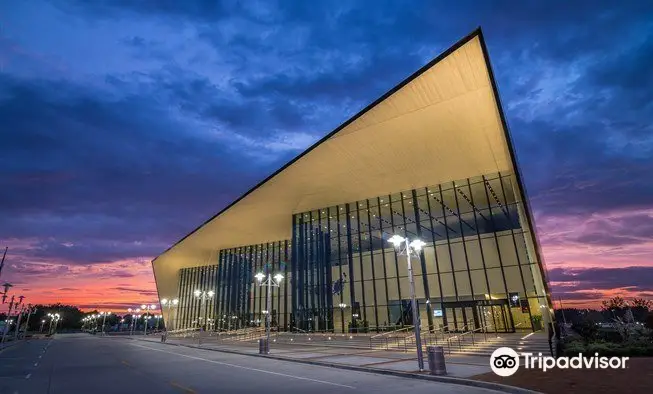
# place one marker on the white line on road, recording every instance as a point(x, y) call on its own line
point(248, 368)
point(36, 364)
point(40, 356)
point(28, 375)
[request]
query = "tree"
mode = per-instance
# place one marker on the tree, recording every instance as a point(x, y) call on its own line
point(640, 308)
point(614, 303)
point(641, 303)
point(71, 316)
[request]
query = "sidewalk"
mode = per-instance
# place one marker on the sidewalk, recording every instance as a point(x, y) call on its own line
point(457, 365)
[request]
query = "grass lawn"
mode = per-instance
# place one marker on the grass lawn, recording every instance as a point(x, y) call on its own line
point(636, 378)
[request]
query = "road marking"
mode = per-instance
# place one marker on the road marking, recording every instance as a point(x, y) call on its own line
point(40, 356)
point(125, 363)
point(36, 364)
point(248, 368)
point(182, 388)
point(28, 375)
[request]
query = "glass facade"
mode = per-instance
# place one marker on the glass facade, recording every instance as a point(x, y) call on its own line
point(478, 269)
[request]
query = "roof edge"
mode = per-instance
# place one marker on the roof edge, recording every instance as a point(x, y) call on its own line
point(475, 33)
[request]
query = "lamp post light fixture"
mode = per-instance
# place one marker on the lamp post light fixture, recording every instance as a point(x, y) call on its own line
point(146, 317)
point(269, 282)
point(54, 317)
point(104, 319)
point(342, 315)
point(203, 296)
point(134, 316)
point(169, 303)
point(411, 248)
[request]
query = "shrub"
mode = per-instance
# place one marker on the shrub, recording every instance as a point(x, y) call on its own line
point(609, 349)
point(586, 329)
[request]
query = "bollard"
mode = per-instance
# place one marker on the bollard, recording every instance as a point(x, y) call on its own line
point(263, 346)
point(436, 360)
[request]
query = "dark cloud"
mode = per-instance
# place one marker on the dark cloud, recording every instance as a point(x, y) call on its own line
point(633, 278)
point(152, 293)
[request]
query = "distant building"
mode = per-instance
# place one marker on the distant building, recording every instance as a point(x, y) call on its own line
point(431, 159)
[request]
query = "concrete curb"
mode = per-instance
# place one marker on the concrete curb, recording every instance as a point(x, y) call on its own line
point(443, 379)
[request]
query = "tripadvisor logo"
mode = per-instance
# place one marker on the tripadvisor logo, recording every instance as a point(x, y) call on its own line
point(505, 362)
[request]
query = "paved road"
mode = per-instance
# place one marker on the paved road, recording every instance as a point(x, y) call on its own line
point(80, 363)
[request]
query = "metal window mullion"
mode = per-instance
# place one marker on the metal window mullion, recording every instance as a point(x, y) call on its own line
point(376, 305)
point(514, 241)
point(385, 271)
point(480, 247)
point(453, 271)
point(496, 242)
point(394, 251)
point(422, 259)
point(435, 253)
point(350, 261)
point(360, 261)
point(462, 235)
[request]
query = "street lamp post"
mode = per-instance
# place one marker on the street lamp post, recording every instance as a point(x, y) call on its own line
point(269, 282)
point(412, 247)
point(169, 304)
point(54, 317)
point(203, 296)
point(134, 315)
point(42, 324)
point(104, 319)
point(147, 309)
point(342, 315)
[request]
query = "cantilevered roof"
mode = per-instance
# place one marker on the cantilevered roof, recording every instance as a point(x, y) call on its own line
point(442, 123)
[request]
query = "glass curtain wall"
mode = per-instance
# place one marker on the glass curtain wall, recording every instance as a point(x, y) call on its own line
point(192, 312)
point(241, 302)
point(477, 270)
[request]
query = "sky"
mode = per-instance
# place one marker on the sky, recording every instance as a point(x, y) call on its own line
point(125, 124)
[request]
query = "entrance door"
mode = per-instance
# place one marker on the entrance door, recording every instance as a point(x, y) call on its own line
point(460, 316)
point(496, 318)
point(482, 316)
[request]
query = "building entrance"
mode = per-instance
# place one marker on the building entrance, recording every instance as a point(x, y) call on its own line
point(480, 315)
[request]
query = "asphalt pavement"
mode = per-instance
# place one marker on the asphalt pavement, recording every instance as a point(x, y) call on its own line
point(81, 363)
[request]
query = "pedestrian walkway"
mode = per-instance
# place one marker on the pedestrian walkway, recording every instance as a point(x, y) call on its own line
point(461, 366)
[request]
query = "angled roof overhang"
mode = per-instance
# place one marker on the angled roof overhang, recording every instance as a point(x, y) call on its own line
point(443, 123)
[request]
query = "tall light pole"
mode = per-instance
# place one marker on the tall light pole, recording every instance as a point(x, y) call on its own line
point(54, 317)
point(169, 303)
point(134, 317)
point(30, 311)
point(203, 296)
point(104, 319)
point(147, 309)
point(342, 315)
point(269, 282)
point(411, 248)
point(42, 324)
